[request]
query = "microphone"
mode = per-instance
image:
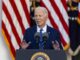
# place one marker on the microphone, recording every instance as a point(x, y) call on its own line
point(45, 36)
point(37, 36)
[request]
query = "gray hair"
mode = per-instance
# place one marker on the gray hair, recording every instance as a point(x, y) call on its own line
point(43, 9)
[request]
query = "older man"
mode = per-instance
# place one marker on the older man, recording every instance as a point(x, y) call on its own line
point(41, 36)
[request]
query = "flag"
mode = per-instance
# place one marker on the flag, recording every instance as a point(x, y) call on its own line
point(16, 18)
point(58, 18)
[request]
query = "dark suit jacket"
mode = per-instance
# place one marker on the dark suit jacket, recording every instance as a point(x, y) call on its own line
point(53, 35)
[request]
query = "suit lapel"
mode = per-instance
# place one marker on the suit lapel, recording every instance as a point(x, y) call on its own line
point(35, 29)
point(48, 29)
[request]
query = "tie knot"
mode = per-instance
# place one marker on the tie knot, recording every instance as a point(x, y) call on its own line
point(41, 30)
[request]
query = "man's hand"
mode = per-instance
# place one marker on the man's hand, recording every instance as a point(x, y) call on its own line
point(25, 45)
point(56, 45)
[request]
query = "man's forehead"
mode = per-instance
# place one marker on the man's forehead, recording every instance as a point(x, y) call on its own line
point(39, 11)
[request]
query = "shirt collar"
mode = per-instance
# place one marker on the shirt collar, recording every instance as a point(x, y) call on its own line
point(44, 29)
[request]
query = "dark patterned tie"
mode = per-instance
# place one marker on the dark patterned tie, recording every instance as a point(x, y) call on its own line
point(41, 43)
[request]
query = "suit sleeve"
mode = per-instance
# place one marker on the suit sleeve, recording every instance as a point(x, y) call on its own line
point(25, 37)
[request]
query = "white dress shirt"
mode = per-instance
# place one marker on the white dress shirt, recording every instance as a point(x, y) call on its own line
point(44, 29)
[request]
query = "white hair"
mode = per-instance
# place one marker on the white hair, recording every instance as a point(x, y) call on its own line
point(43, 9)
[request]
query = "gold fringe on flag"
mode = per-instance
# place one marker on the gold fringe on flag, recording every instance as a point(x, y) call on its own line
point(7, 43)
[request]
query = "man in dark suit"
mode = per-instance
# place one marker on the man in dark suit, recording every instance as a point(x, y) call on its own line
point(41, 36)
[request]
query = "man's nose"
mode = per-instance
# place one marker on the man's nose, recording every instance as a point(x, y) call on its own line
point(37, 17)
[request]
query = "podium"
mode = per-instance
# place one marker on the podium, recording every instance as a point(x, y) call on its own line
point(37, 54)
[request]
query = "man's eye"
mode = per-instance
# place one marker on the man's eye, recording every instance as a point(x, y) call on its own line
point(39, 15)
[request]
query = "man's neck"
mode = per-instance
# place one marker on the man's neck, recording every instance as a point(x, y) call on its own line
point(42, 26)
point(44, 29)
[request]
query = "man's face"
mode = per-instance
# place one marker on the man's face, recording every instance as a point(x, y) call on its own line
point(40, 18)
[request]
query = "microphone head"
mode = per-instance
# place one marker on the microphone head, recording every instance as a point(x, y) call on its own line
point(45, 36)
point(37, 36)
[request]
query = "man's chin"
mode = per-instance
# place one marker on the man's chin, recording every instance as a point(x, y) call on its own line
point(39, 25)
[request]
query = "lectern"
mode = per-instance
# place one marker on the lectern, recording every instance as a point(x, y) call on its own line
point(37, 54)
